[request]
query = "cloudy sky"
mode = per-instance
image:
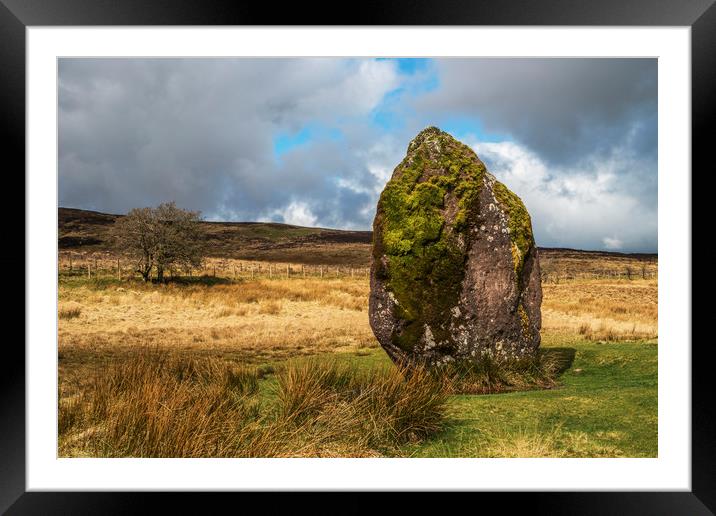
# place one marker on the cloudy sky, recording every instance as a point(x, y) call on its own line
point(313, 141)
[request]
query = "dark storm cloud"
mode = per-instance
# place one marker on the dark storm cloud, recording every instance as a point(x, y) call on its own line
point(563, 109)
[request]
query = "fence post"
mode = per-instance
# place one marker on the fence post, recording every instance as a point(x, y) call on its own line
point(288, 271)
point(270, 271)
point(89, 272)
point(321, 271)
point(70, 262)
point(303, 271)
point(119, 271)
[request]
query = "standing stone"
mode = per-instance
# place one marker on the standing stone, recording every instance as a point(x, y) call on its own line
point(455, 272)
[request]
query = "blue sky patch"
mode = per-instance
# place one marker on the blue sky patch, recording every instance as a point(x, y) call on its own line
point(283, 142)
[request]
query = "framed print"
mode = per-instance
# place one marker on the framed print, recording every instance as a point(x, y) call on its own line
point(442, 249)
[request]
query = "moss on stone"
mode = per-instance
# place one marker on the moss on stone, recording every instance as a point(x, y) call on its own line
point(519, 224)
point(426, 255)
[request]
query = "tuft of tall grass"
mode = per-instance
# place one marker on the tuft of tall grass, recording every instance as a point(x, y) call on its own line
point(69, 310)
point(609, 334)
point(490, 375)
point(585, 329)
point(158, 405)
point(70, 415)
point(409, 403)
point(356, 411)
point(305, 388)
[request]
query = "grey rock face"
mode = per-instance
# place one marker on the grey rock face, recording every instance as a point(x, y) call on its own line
point(455, 272)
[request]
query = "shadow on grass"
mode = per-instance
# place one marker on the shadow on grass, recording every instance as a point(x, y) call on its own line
point(208, 281)
point(563, 357)
point(100, 282)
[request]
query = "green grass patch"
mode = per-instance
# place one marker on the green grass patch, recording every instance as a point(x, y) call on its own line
point(605, 406)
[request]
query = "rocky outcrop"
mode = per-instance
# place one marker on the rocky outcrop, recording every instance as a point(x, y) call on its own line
point(455, 272)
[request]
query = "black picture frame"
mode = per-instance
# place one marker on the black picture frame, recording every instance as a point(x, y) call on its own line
point(16, 15)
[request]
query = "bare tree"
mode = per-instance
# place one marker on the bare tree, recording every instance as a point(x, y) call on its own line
point(178, 241)
point(134, 235)
point(160, 237)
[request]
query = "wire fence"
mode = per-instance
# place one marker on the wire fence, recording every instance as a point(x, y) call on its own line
point(105, 265)
point(559, 277)
point(94, 265)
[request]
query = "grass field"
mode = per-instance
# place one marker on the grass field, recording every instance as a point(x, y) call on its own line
point(248, 392)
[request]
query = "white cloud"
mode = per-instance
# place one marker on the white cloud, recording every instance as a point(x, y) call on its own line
point(612, 243)
point(299, 214)
point(380, 158)
point(356, 89)
point(574, 207)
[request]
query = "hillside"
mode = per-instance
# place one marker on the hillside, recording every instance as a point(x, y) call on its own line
point(87, 232)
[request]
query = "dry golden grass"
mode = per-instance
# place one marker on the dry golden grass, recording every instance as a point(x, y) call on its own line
point(606, 309)
point(283, 317)
point(558, 265)
point(261, 318)
point(272, 319)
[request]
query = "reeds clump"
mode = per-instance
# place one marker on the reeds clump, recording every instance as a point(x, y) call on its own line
point(158, 404)
point(377, 410)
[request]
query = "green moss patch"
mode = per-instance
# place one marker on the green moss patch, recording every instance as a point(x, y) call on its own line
point(426, 253)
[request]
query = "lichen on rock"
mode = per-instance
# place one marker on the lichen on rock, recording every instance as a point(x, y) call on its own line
point(444, 226)
point(520, 224)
